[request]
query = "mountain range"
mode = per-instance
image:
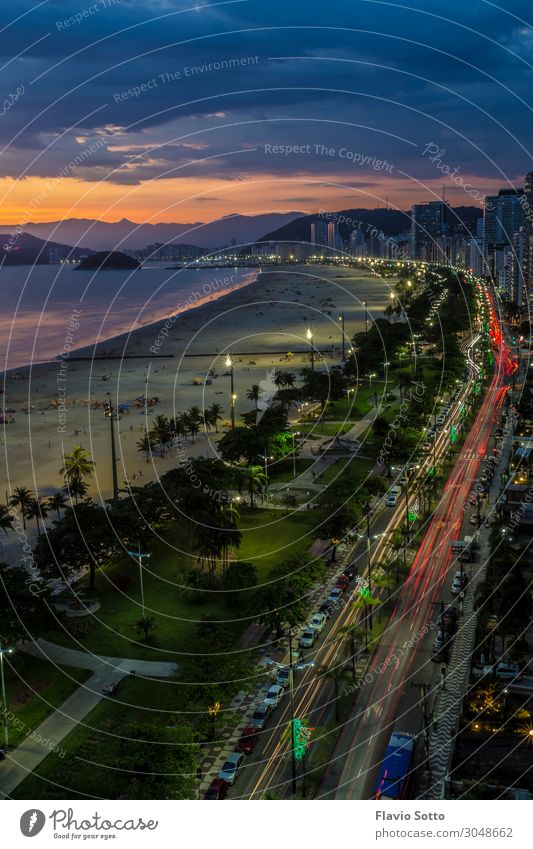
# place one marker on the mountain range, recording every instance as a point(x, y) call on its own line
point(125, 234)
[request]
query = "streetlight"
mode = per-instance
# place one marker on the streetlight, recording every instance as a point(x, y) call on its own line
point(111, 413)
point(233, 397)
point(139, 557)
point(365, 302)
point(341, 319)
point(309, 335)
point(293, 434)
point(4, 699)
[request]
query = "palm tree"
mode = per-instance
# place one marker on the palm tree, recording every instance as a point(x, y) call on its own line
point(253, 395)
point(76, 488)
point(6, 519)
point(161, 432)
point(179, 425)
point(57, 502)
point(145, 445)
point(37, 510)
point(336, 674)
point(195, 418)
point(77, 465)
point(396, 545)
point(145, 624)
point(22, 498)
point(284, 380)
point(215, 411)
point(354, 633)
point(255, 478)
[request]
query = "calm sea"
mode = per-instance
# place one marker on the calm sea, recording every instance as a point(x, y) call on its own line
point(37, 302)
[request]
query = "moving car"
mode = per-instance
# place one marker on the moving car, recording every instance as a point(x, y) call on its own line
point(274, 695)
point(232, 767)
point(218, 789)
point(248, 740)
point(261, 715)
point(307, 640)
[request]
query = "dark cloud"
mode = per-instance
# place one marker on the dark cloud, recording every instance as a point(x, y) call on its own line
point(221, 81)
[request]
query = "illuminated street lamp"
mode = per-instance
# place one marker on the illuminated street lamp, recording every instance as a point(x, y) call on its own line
point(4, 698)
point(309, 335)
point(341, 319)
point(233, 397)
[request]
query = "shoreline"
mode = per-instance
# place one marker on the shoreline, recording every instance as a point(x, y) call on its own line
point(268, 315)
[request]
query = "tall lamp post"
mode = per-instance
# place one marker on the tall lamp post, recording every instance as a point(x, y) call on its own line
point(369, 556)
point(4, 699)
point(311, 347)
point(229, 365)
point(365, 302)
point(110, 412)
point(341, 319)
point(139, 557)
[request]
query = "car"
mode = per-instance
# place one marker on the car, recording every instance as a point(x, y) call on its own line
point(474, 519)
point(459, 584)
point(274, 695)
point(350, 571)
point(307, 640)
point(283, 678)
point(317, 622)
point(325, 609)
point(232, 767)
point(261, 715)
point(448, 618)
point(248, 740)
point(334, 595)
point(342, 582)
point(427, 446)
point(503, 671)
point(218, 789)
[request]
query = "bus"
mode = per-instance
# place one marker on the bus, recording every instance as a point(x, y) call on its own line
point(394, 776)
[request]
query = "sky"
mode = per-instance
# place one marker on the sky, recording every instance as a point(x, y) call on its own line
point(164, 111)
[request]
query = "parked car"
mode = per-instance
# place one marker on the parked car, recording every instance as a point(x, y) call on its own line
point(307, 640)
point(218, 789)
point(394, 494)
point(448, 618)
point(248, 740)
point(459, 583)
point(325, 609)
point(350, 572)
point(318, 621)
point(232, 767)
point(283, 676)
point(474, 519)
point(261, 715)
point(503, 671)
point(342, 582)
point(334, 595)
point(274, 695)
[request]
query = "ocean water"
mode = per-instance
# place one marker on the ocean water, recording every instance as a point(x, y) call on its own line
point(39, 301)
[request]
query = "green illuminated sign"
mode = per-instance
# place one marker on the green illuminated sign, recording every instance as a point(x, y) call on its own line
point(301, 737)
point(453, 434)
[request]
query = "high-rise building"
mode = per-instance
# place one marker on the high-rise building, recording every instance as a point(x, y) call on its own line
point(429, 228)
point(504, 216)
point(528, 237)
point(332, 234)
point(319, 233)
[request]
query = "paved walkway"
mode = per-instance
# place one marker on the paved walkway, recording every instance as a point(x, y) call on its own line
point(22, 760)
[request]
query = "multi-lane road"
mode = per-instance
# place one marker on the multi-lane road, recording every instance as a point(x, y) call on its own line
point(403, 656)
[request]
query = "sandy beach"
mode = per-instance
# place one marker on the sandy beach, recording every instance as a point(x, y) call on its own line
point(259, 325)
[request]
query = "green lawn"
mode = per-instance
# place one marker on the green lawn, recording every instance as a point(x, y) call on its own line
point(323, 428)
point(268, 538)
point(34, 688)
point(87, 768)
point(354, 464)
point(286, 475)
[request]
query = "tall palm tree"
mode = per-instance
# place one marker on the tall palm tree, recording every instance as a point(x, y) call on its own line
point(37, 510)
point(76, 488)
point(215, 411)
point(284, 379)
point(253, 395)
point(6, 519)
point(354, 634)
point(57, 502)
point(255, 478)
point(161, 432)
point(22, 498)
point(194, 421)
point(78, 465)
point(145, 445)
